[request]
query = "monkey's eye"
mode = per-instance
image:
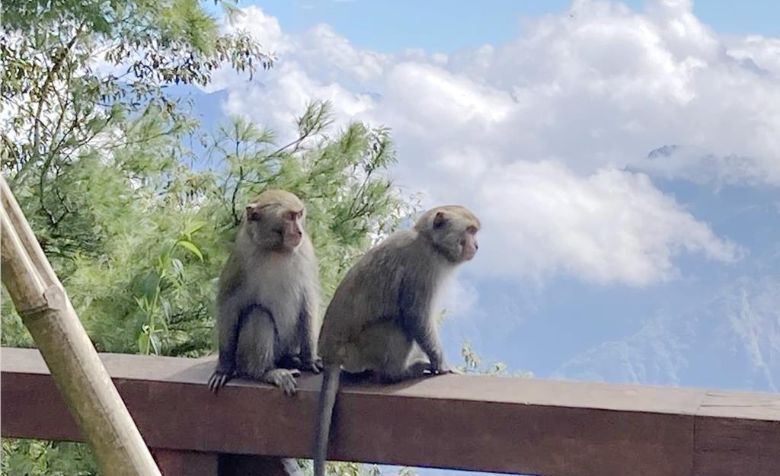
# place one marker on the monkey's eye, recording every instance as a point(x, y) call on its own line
point(472, 230)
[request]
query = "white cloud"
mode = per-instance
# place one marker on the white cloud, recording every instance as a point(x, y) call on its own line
point(263, 28)
point(755, 50)
point(277, 104)
point(700, 166)
point(551, 121)
point(458, 299)
point(611, 226)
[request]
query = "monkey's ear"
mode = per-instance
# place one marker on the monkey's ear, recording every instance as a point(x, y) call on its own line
point(439, 220)
point(252, 213)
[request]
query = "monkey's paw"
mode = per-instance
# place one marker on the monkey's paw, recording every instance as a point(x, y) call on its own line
point(284, 379)
point(218, 379)
point(314, 366)
point(442, 369)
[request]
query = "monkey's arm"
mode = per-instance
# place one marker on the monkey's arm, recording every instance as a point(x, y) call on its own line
point(414, 304)
point(228, 323)
point(309, 359)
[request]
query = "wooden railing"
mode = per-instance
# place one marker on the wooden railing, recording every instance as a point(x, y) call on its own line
point(476, 423)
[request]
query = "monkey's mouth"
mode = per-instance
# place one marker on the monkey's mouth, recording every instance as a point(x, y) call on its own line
point(291, 242)
point(468, 253)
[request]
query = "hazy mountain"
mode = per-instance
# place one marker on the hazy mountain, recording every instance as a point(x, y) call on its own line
point(730, 341)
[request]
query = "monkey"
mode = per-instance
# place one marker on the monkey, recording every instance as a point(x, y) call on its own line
point(380, 320)
point(268, 297)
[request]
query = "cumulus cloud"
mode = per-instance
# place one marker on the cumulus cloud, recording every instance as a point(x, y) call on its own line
point(611, 226)
point(540, 134)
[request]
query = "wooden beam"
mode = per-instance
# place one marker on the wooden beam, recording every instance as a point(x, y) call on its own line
point(186, 463)
point(493, 424)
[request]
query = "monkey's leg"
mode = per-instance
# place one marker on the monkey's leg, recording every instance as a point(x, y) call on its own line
point(257, 352)
point(387, 345)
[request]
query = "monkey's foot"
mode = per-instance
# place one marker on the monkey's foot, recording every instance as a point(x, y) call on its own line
point(314, 366)
point(283, 378)
point(218, 379)
point(443, 369)
point(415, 370)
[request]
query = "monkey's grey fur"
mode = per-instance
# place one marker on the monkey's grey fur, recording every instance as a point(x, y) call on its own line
point(268, 297)
point(380, 319)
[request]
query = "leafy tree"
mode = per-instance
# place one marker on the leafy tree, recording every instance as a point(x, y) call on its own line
point(136, 224)
point(73, 74)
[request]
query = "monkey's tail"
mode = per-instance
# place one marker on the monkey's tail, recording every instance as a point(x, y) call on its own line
point(330, 387)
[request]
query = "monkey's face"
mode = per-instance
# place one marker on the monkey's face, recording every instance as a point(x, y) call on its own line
point(455, 235)
point(468, 243)
point(275, 228)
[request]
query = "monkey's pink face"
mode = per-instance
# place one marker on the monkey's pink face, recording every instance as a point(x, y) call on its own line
point(469, 244)
point(275, 229)
point(293, 230)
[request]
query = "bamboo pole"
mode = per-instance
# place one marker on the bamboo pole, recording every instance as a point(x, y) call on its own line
point(83, 382)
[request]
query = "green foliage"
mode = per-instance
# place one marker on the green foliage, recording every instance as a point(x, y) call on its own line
point(136, 225)
point(46, 458)
point(73, 70)
point(472, 364)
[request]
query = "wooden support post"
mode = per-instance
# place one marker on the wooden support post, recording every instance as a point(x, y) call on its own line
point(75, 366)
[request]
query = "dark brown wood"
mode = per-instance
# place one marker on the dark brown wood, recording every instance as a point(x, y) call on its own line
point(186, 463)
point(463, 422)
point(737, 433)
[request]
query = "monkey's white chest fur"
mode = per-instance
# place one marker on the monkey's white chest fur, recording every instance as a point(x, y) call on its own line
point(278, 287)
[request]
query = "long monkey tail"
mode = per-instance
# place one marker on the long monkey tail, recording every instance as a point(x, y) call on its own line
point(330, 387)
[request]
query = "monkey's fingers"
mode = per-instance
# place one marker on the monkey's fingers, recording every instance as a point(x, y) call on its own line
point(283, 378)
point(290, 388)
point(443, 369)
point(217, 381)
point(314, 366)
point(213, 384)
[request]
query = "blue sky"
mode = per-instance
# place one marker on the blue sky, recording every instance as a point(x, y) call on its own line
point(442, 25)
point(624, 158)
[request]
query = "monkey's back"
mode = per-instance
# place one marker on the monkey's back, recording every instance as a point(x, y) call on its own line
point(370, 292)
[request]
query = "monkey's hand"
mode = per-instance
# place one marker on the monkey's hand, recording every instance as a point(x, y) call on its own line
point(284, 379)
point(439, 367)
point(219, 378)
point(312, 364)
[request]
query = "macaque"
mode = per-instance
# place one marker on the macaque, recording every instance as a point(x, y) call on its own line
point(268, 297)
point(380, 320)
